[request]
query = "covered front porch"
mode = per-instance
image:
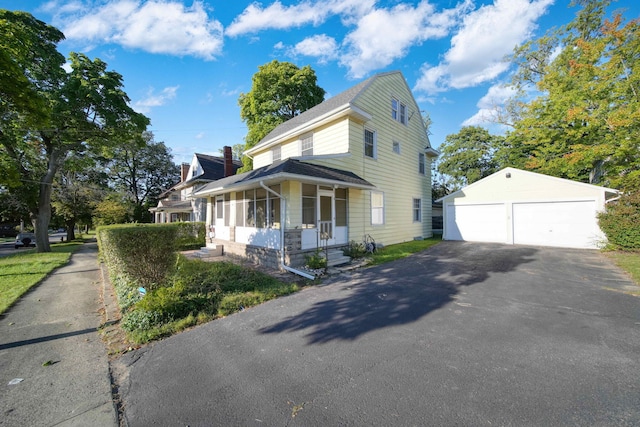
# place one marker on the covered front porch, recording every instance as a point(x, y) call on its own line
point(172, 211)
point(279, 217)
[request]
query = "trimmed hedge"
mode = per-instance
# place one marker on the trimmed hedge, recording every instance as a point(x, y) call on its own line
point(145, 253)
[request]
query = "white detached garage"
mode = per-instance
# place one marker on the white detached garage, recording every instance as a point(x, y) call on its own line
point(520, 207)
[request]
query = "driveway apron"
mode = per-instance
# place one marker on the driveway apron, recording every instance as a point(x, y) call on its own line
point(53, 365)
point(461, 334)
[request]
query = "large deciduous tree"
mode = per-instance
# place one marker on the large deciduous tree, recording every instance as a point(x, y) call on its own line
point(84, 109)
point(142, 169)
point(468, 155)
point(279, 92)
point(585, 123)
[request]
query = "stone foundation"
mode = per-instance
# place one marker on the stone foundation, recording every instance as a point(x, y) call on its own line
point(294, 256)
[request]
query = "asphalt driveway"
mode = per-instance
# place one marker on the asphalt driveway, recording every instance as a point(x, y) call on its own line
point(461, 334)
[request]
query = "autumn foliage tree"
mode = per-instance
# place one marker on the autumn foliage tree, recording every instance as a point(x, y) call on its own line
point(585, 123)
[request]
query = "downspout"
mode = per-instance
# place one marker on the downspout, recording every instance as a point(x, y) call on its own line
point(283, 210)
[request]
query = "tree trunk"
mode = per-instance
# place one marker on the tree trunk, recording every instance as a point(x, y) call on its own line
point(71, 230)
point(43, 215)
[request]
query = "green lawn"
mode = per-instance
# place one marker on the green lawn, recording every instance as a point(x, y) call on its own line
point(401, 250)
point(19, 272)
point(629, 262)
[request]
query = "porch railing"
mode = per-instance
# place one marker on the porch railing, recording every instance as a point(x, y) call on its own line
point(325, 230)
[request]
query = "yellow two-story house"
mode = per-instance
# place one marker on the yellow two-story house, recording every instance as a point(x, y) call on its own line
point(357, 165)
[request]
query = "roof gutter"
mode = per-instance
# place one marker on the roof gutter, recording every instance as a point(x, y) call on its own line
point(283, 210)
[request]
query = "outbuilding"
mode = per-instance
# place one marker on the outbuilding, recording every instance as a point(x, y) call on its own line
point(514, 206)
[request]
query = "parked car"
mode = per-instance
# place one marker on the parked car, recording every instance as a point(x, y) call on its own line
point(24, 240)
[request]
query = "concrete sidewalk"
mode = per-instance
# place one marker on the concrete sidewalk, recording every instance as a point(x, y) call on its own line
point(49, 339)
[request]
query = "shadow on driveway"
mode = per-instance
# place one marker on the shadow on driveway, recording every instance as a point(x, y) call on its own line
point(402, 291)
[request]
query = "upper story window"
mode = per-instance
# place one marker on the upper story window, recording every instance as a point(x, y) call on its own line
point(422, 167)
point(398, 111)
point(306, 146)
point(370, 143)
point(276, 153)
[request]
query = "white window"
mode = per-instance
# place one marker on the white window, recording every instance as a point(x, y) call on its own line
point(306, 146)
point(276, 153)
point(396, 147)
point(398, 111)
point(370, 143)
point(403, 114)
point(422, 167)
point(417, 210)
point(394, 109)
point(377, 208)
point(309, 198)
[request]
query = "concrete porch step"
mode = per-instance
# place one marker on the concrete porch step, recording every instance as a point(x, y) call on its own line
point(210, 251)
point(336, 257)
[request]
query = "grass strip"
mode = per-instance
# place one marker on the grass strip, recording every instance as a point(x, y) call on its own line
point(402, 250)
point(27, 268)
point(629, 262)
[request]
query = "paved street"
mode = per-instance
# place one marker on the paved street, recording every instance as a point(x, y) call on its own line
point(8, 248)
point(462, 334)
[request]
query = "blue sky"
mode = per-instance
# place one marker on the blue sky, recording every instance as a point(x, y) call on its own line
point(185, 62)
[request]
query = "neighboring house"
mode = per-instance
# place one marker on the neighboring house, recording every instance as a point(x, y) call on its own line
point(520, 207)
point(355, 165)
point(177, 203)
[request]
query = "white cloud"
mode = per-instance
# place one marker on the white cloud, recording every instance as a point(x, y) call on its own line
point(320, 46)
point(384, 35)
point(490, 105)
point(156, 26)
point(155, 99)
point(477, 51)
point(256, 18)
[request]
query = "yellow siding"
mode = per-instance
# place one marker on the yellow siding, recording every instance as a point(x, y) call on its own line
point(292, 190)
point(262, 159)
point(396, 175)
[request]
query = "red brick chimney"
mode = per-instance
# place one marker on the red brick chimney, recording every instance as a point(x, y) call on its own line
point(228, 162)
point(184, 171)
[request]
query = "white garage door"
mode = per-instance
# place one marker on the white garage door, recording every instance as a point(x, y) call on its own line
point(562, 224)
point(477, 223)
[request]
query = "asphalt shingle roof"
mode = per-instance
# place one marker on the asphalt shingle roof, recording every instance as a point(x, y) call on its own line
point(290, 167)
point(324, 107)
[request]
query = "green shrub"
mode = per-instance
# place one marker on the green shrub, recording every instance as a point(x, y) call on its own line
point(140, 320)
point(195, 292)
point(127, 292)
point(144, 252)
point(316, 261)
point(190, 235)
point(620, 222)
point(355, 250)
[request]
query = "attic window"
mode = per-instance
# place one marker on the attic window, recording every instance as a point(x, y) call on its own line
point(306, 146)
point(398, 111)
point(276, 153)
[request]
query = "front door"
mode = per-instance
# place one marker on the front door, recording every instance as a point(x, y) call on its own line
point(326, 216)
